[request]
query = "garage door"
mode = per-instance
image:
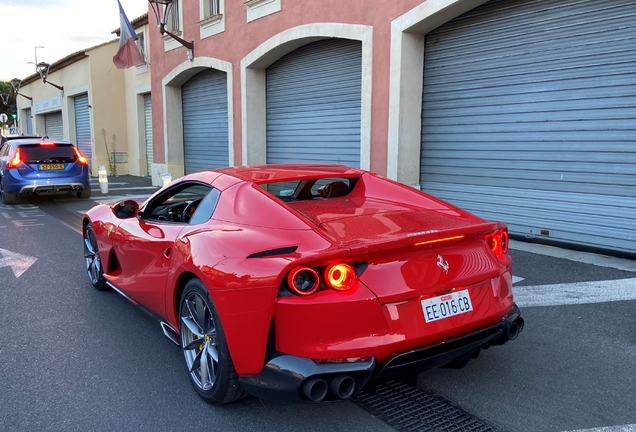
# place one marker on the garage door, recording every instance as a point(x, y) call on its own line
point(528, 117)
point(83, 126)
point(53, 125)
point(29, 121)
point(313, 104)
point(205, 121)
point(148, 130)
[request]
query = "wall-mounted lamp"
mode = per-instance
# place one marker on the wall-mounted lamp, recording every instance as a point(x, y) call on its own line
point(15, 83)
point(43, 70)
point(161, 9)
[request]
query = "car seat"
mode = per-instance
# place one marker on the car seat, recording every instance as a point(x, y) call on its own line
point(336, 189)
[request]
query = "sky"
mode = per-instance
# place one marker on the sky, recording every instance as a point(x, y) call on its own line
point(62, 27)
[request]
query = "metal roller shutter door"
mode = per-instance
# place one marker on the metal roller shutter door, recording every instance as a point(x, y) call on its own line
point(148, 129)
point(29, 121)
point(528, 117)
point(53, 125)
point(313, 104)
point(205, 121)
point(83, 126)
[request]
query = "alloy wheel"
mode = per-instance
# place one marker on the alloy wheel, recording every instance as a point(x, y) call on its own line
point(91, 256)
point(199, 341)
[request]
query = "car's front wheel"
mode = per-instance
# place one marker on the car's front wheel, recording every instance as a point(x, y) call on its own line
point(7, 198)
point(93, 260)
point(204, 347)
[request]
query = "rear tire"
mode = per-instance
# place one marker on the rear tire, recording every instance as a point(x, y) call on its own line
point(207, 357)
point(84, 193)
point(7, 198)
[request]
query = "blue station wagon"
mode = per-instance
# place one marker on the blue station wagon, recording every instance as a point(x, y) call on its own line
point(42, 166)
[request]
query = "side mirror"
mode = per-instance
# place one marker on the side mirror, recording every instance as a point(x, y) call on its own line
point(126, 209)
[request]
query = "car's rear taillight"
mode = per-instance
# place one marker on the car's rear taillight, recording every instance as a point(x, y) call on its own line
point(80, 157)
point(303, 280)
point(340, 277)
point(47, 143)
point(498, 242)
point(16, 159)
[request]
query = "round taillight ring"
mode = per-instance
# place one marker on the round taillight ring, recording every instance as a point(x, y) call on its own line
point(303, 280)
point(340, 277)
point(504, 242)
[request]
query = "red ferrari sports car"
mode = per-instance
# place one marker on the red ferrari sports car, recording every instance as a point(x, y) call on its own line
point(306, 282)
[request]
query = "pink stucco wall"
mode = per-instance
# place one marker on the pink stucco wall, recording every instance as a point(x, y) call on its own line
point(240, 38)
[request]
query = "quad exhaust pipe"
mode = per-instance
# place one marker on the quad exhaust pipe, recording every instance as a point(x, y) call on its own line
point(343, 386)
point(316, 389)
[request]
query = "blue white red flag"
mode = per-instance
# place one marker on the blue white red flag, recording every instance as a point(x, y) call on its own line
point(128, 53)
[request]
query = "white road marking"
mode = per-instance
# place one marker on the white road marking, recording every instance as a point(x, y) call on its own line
point(96, 182)
point(17, 262)
point(128, 188)
point(516, 279)
point(575, 293)
point(115, 198)
point(623, 428)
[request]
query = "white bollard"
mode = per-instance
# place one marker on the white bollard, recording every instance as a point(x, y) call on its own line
point(166, 178)
point(103, 179)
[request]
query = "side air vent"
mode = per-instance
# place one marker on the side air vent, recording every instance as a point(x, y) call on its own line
point(113, 263)
point(274, 252)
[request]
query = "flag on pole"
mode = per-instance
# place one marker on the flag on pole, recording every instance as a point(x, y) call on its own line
point(128, 53)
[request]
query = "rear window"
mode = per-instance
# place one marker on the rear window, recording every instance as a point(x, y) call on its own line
point(47, 153)
point(300, 190)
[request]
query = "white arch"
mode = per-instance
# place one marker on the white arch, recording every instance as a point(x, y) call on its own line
point(253, 78)
point(173, 115)
point(406, 83)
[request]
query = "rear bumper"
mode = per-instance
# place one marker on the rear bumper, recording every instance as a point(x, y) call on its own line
point(52, 188)
point(15, 182)
point(455, 352)
point(294, 379)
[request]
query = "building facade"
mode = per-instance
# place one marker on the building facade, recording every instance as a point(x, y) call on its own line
point(517, 110)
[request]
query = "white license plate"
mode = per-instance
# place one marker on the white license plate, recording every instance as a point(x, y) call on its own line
point(446, 306)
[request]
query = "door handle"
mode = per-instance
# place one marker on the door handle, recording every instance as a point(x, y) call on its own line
point(166, 253)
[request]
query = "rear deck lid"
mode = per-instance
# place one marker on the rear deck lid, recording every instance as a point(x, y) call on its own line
point(410, 251)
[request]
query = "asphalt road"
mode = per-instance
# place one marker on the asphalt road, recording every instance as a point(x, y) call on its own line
point(73, 358)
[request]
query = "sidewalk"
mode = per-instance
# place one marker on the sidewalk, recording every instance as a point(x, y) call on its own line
point(574, 255)
point(123, 185)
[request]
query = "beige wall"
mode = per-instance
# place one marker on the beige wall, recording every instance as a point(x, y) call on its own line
point(108, 101)
point(74, 79)
point(113, 100)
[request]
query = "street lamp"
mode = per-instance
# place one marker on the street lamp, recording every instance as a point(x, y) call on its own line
point(43, 70)
point(161, 9)
point(35, 49)
point(15, 83)
point(4, 97)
